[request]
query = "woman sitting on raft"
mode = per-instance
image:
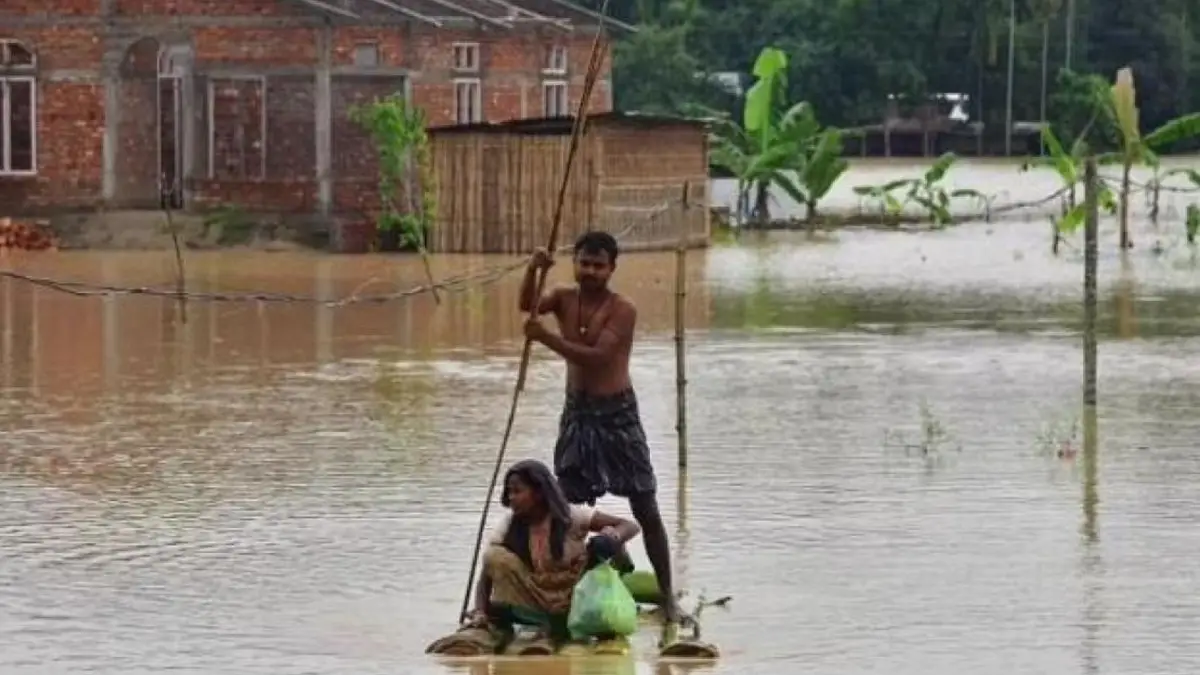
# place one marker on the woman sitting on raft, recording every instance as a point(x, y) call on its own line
point(532, 562)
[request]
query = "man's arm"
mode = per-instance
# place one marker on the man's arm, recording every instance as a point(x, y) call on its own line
point(618, 329)
point(548, 302)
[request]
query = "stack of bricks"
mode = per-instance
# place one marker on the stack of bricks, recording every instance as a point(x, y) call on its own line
point(26, 236)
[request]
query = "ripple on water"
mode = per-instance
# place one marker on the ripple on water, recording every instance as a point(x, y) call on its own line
point(318, 517)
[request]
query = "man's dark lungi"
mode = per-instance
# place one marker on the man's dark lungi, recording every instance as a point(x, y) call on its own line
point(602, 448)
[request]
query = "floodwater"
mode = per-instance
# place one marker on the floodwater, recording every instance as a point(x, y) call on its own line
point(1009, 189)
point(876, 423)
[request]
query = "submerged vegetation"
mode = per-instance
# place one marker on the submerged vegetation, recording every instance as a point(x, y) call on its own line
point(925, 192)
point(781, 147)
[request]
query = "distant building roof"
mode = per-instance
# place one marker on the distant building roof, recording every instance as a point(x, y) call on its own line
point(563, 125)
point(496, 13)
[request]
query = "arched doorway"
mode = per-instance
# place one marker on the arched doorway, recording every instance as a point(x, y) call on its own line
point(138, 175)
point(170, 126)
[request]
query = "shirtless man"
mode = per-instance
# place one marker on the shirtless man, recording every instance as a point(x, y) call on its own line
point(601, 444)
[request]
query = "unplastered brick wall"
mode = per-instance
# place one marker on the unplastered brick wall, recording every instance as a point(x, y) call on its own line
point(264, 120)
point(512, 75)
point(68, 98)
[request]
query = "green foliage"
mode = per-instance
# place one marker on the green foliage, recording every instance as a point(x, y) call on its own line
point(1192, 224)
point(1069, 167)
point(926, 192)
point(405, 166)
point(847, 56)
point(234, 227)
point(777, 145)
point(1078, 109)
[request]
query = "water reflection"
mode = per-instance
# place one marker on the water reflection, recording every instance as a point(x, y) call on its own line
point(1092, 571)
point(285, 487)
point(571, 666)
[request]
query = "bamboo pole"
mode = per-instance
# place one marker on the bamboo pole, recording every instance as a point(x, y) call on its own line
point(1090, 424)
point(595, 61)
point(1090, 260)
point(180, 284)
point(680, 330)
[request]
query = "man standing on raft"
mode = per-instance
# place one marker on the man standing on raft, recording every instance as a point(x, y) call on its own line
point(601, 444)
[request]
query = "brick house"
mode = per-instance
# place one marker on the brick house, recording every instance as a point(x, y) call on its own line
point(107, 104)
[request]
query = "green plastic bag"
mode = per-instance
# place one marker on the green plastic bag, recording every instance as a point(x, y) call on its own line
point(601, 605)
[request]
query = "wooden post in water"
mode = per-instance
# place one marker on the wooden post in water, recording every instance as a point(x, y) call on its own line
point(1090, 424)
point(681, 251)
point(1090, 260)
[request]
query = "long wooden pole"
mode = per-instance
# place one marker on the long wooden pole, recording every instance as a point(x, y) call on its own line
point(681, 251)
point(1090, 261)
point(593, 71)
point(1090, 424)
point(180, 276)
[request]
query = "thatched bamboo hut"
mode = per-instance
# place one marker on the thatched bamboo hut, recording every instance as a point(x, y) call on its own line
point(497, 184)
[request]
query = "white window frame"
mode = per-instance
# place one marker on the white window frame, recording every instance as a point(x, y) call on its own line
point(475, 86)
point(24, 73)
point(556, 86)
point(472, 56)
point(212, 132)
point(556, 61)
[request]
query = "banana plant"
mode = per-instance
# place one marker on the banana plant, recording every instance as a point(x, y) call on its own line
point(776, 145)
point(925, 191)
point(1134, 147)
point(1069, 167)
point(815, 158)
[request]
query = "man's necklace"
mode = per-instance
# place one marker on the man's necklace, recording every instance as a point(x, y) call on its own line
point(584, 324)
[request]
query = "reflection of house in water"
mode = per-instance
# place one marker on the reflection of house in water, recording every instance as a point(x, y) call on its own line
point(940, 124)
point(71, 351)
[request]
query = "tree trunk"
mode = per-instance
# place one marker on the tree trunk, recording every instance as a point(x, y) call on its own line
point(762, 209)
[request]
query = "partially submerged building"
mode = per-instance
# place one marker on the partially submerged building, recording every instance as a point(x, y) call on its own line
point(122, 104)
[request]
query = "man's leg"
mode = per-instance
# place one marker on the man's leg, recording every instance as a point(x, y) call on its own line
point(658, 549)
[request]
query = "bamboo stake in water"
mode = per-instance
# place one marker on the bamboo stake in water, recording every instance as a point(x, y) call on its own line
point(1090, 262)
point(180, 288)
point(680, 330)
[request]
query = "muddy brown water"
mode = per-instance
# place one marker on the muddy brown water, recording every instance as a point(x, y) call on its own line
point(278, 488)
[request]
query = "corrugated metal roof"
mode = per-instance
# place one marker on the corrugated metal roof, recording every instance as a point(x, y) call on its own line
point(511, 12)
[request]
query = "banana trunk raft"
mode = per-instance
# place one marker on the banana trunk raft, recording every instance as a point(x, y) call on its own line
point(642, 586)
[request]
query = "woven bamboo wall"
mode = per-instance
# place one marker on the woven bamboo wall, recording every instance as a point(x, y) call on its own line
point(497, 191)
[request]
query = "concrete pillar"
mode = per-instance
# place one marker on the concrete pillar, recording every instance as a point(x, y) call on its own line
point(112, 125)
point(323, 99)
point(188, 120)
